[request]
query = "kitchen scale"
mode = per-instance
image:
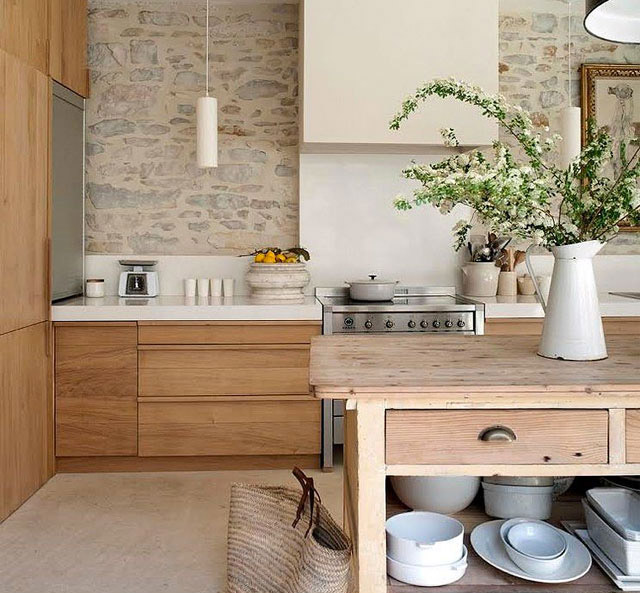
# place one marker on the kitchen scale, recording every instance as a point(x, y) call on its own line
point(139, 280)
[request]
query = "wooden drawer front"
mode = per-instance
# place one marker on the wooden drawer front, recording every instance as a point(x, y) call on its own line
point(224, 371)
point(229, 333)
point(96, 390)
point(229, 428)
point(447, 437)
point(633, 436)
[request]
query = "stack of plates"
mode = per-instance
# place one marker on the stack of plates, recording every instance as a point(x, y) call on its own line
point(549, 554)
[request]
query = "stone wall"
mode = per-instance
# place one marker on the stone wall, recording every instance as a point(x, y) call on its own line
point(145, 194)
point(534, 65)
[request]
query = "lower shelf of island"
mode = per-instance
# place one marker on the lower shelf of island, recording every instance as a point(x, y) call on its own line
point(484, 578)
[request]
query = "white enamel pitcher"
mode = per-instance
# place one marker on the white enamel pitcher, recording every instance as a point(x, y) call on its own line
point(573, 323)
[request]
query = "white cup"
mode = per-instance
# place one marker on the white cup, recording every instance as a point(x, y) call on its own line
point(203, 287)
point(227, 284)
point(190, 287)
point(216, 287)
point(95, 288)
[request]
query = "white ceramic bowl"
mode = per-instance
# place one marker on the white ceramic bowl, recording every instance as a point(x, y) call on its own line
point(537, 540)
point(507, 502)
point(424, 539)
point(437, 494)
point(428, 576)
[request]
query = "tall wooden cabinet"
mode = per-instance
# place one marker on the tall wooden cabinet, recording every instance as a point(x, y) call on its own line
point(25, 415)
point(24, 186)
point(68, 46)
point(24, 31)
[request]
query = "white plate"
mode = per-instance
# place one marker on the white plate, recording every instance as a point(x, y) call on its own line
point(486, 541)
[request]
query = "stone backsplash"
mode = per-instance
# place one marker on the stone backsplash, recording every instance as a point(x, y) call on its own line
point(146, 57)
point(144, 193)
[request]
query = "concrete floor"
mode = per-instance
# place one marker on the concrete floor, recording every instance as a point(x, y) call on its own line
point(131, 533)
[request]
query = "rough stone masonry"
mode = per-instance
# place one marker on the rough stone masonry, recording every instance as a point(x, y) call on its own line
point(145, 194)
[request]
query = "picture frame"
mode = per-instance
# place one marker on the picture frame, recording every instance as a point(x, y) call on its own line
point(611, 96)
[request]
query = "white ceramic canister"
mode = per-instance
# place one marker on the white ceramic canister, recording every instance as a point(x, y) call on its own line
point(508, 284)
point(95, 288)
point(480, 279)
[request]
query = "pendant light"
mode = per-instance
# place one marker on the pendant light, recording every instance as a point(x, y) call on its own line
point(570, 117)
point(207, 119)
point(613, 20)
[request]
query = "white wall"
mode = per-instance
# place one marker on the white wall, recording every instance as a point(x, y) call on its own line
point(348, 223)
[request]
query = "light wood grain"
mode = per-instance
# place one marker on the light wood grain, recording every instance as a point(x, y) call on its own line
point(96, 391)
point(633, 436)
point(259, 332)
point(224, 371)
point(229, 428)
point(24, 31)
point(68, 46)
point(393, 365)
point(480, 469)
point(198, 463)
point(24, 184)
point(613, 326)
point(452, 437)
point(617, 438)
point(24, 411)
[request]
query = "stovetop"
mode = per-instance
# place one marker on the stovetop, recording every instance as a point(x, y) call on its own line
point(413, 309)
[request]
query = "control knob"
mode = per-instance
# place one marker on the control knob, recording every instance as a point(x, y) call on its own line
point(368, 324)
point(389, 323)
point(461, 323)
point(448, 323)
point(348, 321)
point(424, 324)
point(436, 324)
point(411, 324)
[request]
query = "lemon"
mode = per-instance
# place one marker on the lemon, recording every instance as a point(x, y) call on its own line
point(292, 260)
point(259, 257)
point(281, 258)
point(270, 254)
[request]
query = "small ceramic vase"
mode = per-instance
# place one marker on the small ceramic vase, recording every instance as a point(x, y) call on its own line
point(507, 284)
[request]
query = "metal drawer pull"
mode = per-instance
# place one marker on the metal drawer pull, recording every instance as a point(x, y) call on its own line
point(498, 433)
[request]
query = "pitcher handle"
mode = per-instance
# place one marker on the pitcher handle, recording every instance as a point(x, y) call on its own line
point(527, 257)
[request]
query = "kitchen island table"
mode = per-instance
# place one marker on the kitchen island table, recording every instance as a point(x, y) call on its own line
point(472, 405)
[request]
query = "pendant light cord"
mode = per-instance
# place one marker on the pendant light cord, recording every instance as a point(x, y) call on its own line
point(206, 60)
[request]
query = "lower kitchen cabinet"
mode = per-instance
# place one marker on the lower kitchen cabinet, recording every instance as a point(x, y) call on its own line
point(532, 326)
point(96, 389)
point(632, 432)
point(185, 395)
point(25, 415)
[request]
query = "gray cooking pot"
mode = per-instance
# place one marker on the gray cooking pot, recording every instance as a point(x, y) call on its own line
point(372, 289)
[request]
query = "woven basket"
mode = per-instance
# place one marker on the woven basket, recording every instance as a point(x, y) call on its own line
point(271, 550)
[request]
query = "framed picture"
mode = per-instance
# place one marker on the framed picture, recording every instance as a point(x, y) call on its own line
point(611, 96)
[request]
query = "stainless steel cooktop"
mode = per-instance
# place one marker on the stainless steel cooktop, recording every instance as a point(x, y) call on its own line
point(413, 309)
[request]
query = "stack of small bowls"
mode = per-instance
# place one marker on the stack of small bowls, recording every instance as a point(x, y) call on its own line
point(537, 548)
point(425, 549)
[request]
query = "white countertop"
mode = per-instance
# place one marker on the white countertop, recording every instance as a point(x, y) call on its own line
point(529, 306)
point(180, 308)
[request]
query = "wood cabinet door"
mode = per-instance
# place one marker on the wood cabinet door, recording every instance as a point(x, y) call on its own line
point(68, 49)
point(96, 393)
point(25, 414)
point(24, 31)
point(24, 185)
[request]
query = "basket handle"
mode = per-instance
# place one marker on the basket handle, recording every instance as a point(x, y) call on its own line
point(308, 491)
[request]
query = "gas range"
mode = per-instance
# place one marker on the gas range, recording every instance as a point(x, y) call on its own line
point(413, 310)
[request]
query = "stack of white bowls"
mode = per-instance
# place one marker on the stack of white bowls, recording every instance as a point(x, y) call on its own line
point(510, 497)
point(613, 522)
point(537, 548)
point(425, 549)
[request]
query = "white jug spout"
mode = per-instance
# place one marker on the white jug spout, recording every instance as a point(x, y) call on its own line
point(584, 250)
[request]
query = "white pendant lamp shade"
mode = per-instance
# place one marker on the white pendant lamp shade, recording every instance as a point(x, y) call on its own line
point(571, 132)
point(207, 132)
point(614, 20)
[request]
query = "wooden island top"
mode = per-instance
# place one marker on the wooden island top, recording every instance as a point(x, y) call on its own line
point(394, 366)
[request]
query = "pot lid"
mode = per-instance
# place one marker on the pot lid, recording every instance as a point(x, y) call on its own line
point(372, 279)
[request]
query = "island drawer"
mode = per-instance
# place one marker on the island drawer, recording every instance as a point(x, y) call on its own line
point(633, 436)
point(229, 428)
point(230, 332)
point(223, 370)
point(451, 437)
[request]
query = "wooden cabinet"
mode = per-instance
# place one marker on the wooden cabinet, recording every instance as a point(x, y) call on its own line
point(532, 326)
point(361, 58)
point(632, 431)
point(68, 47)
point(24, 31)
point(24, 174)
point(276, 427)
point(440, 437)
point(96, 393)
point(25, 415)
point(212, 394)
